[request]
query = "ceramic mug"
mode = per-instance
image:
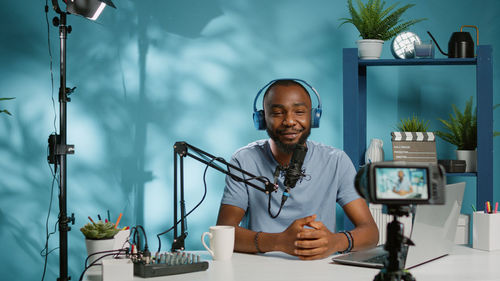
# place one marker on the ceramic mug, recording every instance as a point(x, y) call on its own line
point(221, 241)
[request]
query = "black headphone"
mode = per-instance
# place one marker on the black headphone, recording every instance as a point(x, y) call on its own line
point(259, 119)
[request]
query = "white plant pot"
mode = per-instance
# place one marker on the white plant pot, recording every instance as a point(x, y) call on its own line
point(470, 157)
point(98, 245)
point(369, 49)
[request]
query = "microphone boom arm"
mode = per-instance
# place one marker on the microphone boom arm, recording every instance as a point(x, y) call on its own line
point(181, 150)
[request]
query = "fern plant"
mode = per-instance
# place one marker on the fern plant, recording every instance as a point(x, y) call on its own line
point(413, 124)
point(375, 22)
point(5, 110)
point(461, 128)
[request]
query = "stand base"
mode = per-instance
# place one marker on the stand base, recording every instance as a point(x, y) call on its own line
point(394, 276)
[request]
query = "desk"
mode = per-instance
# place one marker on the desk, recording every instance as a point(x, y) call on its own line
point(463, 264)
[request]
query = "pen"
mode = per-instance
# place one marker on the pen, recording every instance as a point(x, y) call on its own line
point(473, 208)
point(99, 217)
point(91, 220)
point(496, 207)
point(109, 218)
point(487, 207)
point(118, 220)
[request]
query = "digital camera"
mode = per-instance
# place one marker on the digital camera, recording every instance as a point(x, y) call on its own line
point(401, 183)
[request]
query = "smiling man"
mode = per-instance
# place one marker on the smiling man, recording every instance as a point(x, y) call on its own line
point(305, 227)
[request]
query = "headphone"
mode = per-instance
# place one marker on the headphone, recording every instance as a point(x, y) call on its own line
point(259, 119)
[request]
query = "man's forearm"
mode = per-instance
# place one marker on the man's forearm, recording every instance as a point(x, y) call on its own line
point(364, 236)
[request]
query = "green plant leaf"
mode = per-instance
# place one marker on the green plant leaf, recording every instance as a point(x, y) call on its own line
point(462, 127)
point(375, 22)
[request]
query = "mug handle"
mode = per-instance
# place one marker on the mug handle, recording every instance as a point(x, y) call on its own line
point(203, 242)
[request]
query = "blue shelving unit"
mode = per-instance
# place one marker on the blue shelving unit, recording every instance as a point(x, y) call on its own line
point(355, 92)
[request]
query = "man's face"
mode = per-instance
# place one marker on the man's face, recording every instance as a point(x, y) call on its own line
point(288, 116)
point(401, 175)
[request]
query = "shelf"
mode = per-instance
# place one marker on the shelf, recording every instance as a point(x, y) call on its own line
point(392, 62)
point(355, 92)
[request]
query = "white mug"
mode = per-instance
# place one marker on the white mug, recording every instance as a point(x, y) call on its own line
point(221, 242)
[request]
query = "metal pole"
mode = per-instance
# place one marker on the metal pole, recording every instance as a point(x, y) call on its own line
point(63, 219)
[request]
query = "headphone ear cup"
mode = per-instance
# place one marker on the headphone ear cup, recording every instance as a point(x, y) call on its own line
point(315, 117)
point(259, 121)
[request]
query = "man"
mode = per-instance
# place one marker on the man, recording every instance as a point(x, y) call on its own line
point(306, 225)
point(403, 185)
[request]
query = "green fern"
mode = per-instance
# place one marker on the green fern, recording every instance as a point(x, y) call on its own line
point(462, 128)
point(413, 124)
point(375, 22)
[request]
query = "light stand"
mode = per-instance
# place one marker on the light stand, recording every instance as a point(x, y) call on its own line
point(394, 266)
point(181, 150)
point(58, 147)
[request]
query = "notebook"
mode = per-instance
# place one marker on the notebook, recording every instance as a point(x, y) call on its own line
point(433, 232)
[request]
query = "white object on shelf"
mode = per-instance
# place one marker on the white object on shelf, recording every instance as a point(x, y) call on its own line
point(375, 151)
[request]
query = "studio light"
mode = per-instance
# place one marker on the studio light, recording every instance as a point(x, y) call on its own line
point(90, 9)
point(58, 146)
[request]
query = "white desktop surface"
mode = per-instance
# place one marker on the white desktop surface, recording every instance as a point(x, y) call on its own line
point(463, 263)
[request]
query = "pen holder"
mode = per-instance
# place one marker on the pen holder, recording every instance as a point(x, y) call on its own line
point(485, 230)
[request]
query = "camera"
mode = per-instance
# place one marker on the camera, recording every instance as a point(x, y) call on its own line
point(401, 183)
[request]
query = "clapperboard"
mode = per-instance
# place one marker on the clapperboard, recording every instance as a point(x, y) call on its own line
point(414, 147)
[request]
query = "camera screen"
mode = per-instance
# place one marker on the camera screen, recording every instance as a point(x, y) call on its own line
point(396, 183)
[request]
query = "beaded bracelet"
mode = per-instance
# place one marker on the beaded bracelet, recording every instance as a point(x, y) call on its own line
point(256, 241)
point(350, 240)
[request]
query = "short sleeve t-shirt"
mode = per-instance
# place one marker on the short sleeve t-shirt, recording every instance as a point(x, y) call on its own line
point(329, 179)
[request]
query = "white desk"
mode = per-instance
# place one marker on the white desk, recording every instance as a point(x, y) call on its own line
point(463, 264)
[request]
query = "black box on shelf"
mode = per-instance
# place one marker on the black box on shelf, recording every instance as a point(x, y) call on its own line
point(453, 166)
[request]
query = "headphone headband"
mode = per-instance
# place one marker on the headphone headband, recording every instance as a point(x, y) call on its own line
point(258, 115)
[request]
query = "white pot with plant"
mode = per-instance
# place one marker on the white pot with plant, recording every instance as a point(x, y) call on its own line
point(376, 25)
point(99, 238)
point(462, 132)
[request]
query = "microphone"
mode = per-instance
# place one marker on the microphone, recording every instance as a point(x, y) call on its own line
point(292, 174)
point(294, 171)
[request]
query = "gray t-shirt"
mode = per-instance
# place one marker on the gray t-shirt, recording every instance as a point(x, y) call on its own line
point(329, 179)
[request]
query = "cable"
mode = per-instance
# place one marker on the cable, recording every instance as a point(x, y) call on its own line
point(110, 253)
point(45, 253)
point(197, 205)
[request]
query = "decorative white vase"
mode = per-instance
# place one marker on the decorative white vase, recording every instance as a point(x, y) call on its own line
point(369, 49)
point(98, 245)
point(375, 151)
point(470, 157)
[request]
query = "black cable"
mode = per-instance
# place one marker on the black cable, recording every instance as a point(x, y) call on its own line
point(197, 205)
point(45, 252)
point(117, 251)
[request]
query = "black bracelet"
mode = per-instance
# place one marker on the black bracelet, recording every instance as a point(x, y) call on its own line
point(350, 240)
point(256, 241)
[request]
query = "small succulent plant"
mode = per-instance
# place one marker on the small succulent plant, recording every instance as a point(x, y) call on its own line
point(99, 230)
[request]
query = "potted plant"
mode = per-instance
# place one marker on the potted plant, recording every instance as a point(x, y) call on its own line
point(376, 25)
point(413, 124)
point(5, 110)
point(412, 143)
point(99, 237)
point(462, 132)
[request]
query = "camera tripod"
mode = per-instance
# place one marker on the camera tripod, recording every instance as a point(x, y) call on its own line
point(394, 265)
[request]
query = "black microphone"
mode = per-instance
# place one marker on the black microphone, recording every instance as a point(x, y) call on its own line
point(294, 171)
point(292, 174)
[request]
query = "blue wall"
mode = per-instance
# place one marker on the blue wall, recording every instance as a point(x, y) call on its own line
point(155, 72)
